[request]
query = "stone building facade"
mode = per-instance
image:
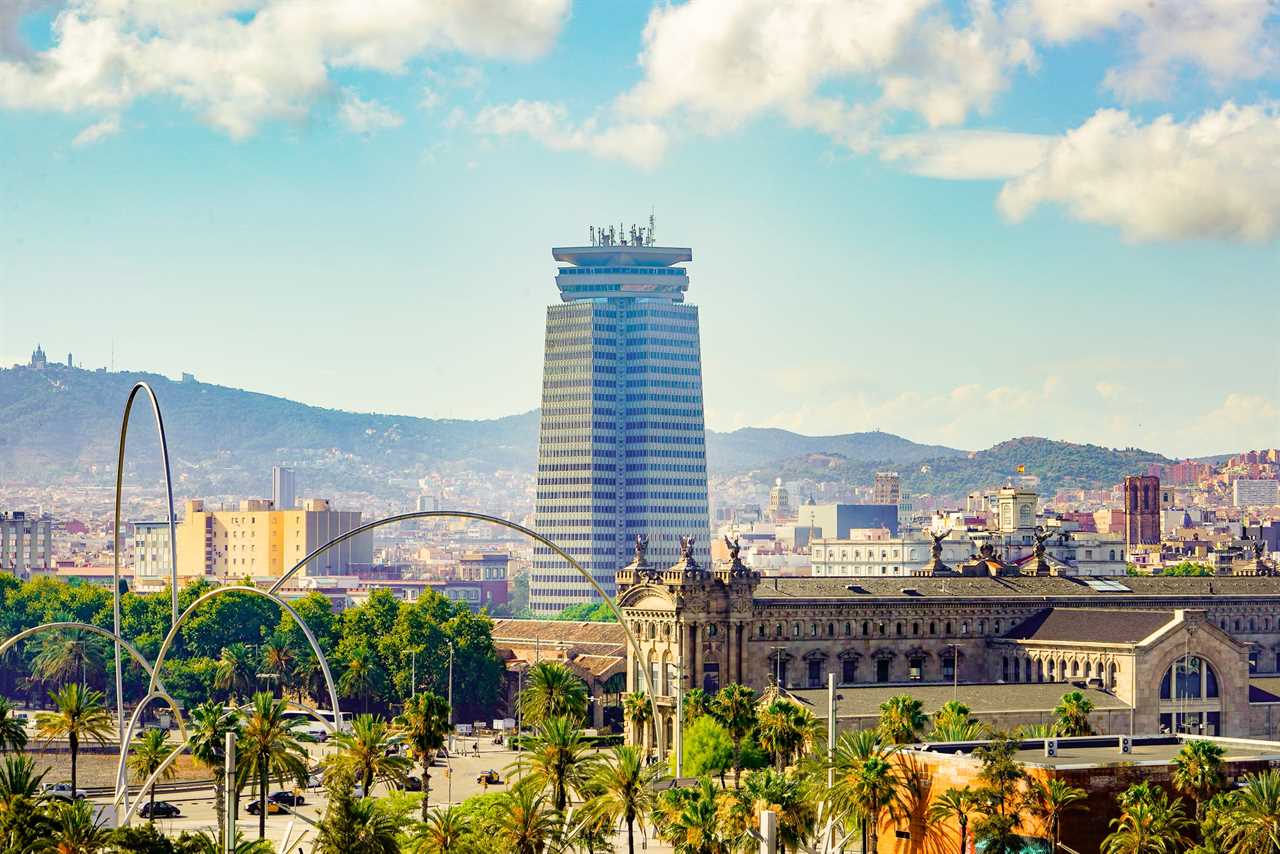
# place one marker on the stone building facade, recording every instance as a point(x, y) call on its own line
point(708, 627)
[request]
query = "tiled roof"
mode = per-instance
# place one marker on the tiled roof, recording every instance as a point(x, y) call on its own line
point(782, 589)
point(559, 632)
point(863, 700)
point(1090, 625)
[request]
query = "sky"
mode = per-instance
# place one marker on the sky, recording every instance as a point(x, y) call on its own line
point(956, 221)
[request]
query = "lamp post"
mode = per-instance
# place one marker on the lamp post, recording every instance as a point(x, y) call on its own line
point(955, 670)
point(450, 701)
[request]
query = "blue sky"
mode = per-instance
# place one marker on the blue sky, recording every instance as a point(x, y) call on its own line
point(956, 222)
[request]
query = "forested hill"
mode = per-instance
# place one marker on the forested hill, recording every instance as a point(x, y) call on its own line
point(60, 425)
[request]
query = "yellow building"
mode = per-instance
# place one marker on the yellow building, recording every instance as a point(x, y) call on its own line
point(257, 540)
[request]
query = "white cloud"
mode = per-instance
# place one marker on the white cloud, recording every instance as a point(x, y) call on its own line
point(1214, 176)
point(1243, 420)
point(362, 116)
point(99, 130)
point(965, 154)
point(641, 144)
point(1227, 39)
point(241, 62)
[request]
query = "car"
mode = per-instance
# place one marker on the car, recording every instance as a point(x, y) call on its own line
point(491, 777)
point(255, 807)
point(160, 809)
point(287, 799)
point(413, 784)
point(63, 791)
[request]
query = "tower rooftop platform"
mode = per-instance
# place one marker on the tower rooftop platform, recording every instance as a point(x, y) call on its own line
point(622, 256)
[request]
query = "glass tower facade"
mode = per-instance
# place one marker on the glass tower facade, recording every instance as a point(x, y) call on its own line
point(622, 445)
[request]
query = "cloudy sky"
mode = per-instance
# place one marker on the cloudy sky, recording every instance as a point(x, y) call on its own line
point(957, 221)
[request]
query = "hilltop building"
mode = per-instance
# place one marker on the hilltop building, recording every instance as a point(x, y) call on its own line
point(621, 449)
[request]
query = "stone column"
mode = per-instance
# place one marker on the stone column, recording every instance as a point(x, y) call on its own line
point(691, 665)
point(597, 706)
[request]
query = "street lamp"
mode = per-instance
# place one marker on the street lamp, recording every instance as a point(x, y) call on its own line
point(955, 670)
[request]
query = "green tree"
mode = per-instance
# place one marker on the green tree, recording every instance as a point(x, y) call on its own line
point(369, 752)
point(786, 796)
point(25, 825)
point(277, 659)
point(560, 760)
point(1048, 801)
point(692, 821)
point(734, 707)
point(76, 831)
point(146, 755)
point(1072, 715)
point(316, 609)
point(270, 746)
point(552, 690)
point(424, 725)
point(624, 787)
point(352, 826)
point(444, 830)
point(361, 676)
point(999, 778)
point(1149, 826)
point(69, 655)
point(13, 730)
point(237, 672)
point(695, 704)
point(637, 709)
point(785, 730)
point(957, 805)
point(1250, 824)
point(1197, 772)
point(527, 822)
point(588, 612)
point(708, 749)
point(80, 715)
point(901, 719)
point(868, 783)
point(207, 733)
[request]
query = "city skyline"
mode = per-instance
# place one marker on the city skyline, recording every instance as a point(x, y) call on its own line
point(861, 221)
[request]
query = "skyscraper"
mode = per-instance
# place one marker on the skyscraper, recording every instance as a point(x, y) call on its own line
point(621, 451)
point(282, 488)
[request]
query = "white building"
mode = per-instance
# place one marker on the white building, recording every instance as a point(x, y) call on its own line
point(1255, 493)
point(26, 543)
point(283, 488)
point(151, 554)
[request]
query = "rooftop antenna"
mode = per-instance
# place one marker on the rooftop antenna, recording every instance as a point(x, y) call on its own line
point(651, 238)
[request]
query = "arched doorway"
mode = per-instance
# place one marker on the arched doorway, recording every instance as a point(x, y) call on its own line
point(1190, 699)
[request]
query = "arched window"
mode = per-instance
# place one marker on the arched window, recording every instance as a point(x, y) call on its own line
point(1114, 681)
point(898, 629)
point(1192, 678)
point(947, 628)
point(760, 630)
point(1004, 668)
point(848, 630)
point(915, 629)
point(777, 631)
point(866, 628)
point(831, 630)
point(933, 628)
point(964, 627)
point(1051, 670)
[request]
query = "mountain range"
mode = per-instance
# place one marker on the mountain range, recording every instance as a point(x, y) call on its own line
point(61, 424)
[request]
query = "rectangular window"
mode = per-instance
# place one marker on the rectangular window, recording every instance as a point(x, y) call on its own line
point(815, 674)
point(916, 668)
point(882, 671)
point(848, 671)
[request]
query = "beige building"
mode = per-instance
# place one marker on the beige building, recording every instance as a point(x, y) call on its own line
point(257, 540)
point(1142, 641)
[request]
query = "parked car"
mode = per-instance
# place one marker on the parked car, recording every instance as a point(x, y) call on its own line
point(413, 784)
point(287, 799)
point(255, 807)
point(63, 791)
point(160, 809)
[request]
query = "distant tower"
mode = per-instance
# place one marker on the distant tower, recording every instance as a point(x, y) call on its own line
point(38, 360)
point(780, 503)
point(622, 450)
point(1141, 510)
point(70, 364)
point(282, 488)
point(887, 489)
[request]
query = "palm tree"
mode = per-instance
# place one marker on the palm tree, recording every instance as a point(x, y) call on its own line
point(308, 676)
point(361, 675)
point(734, 707)
point(72, 655)
point(237, 672)
point(552, 690)
point(694, 824)
point(424, 726)
point(636, 708)
point(207, 733)
point(76, 831)
point(1197, 772)
point(148, 754)
point(25, 825)
point(1047, 801)
point(80, 715)
point(1154, 826)
point(1251, 823)
point(271, 745)
point(1072, 715)
point(13, 731)
point(867, 781)
point(625, 789)
point(204, 842)
point(768, 789)
point(955, 805)
point(952, 713)
point(371, 751)
point(561, 760)
point(353, 826)
point(901, 719)
point(696, 703)
point(277, 659)
point(526, 821)
point(958, 731)
point(443, 831)
point(785, 730)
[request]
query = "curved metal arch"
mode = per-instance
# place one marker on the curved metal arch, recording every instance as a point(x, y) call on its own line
point(88, 627)
point(115, 538)
point(148, 783)
point(511, 526)
point(269, 594)
point(130, 732)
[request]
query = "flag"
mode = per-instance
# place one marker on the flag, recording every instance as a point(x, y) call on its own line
point(1022, 469)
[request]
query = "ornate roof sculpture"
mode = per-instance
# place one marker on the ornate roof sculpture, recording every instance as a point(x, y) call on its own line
point(935, 566)
point(985, 562)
